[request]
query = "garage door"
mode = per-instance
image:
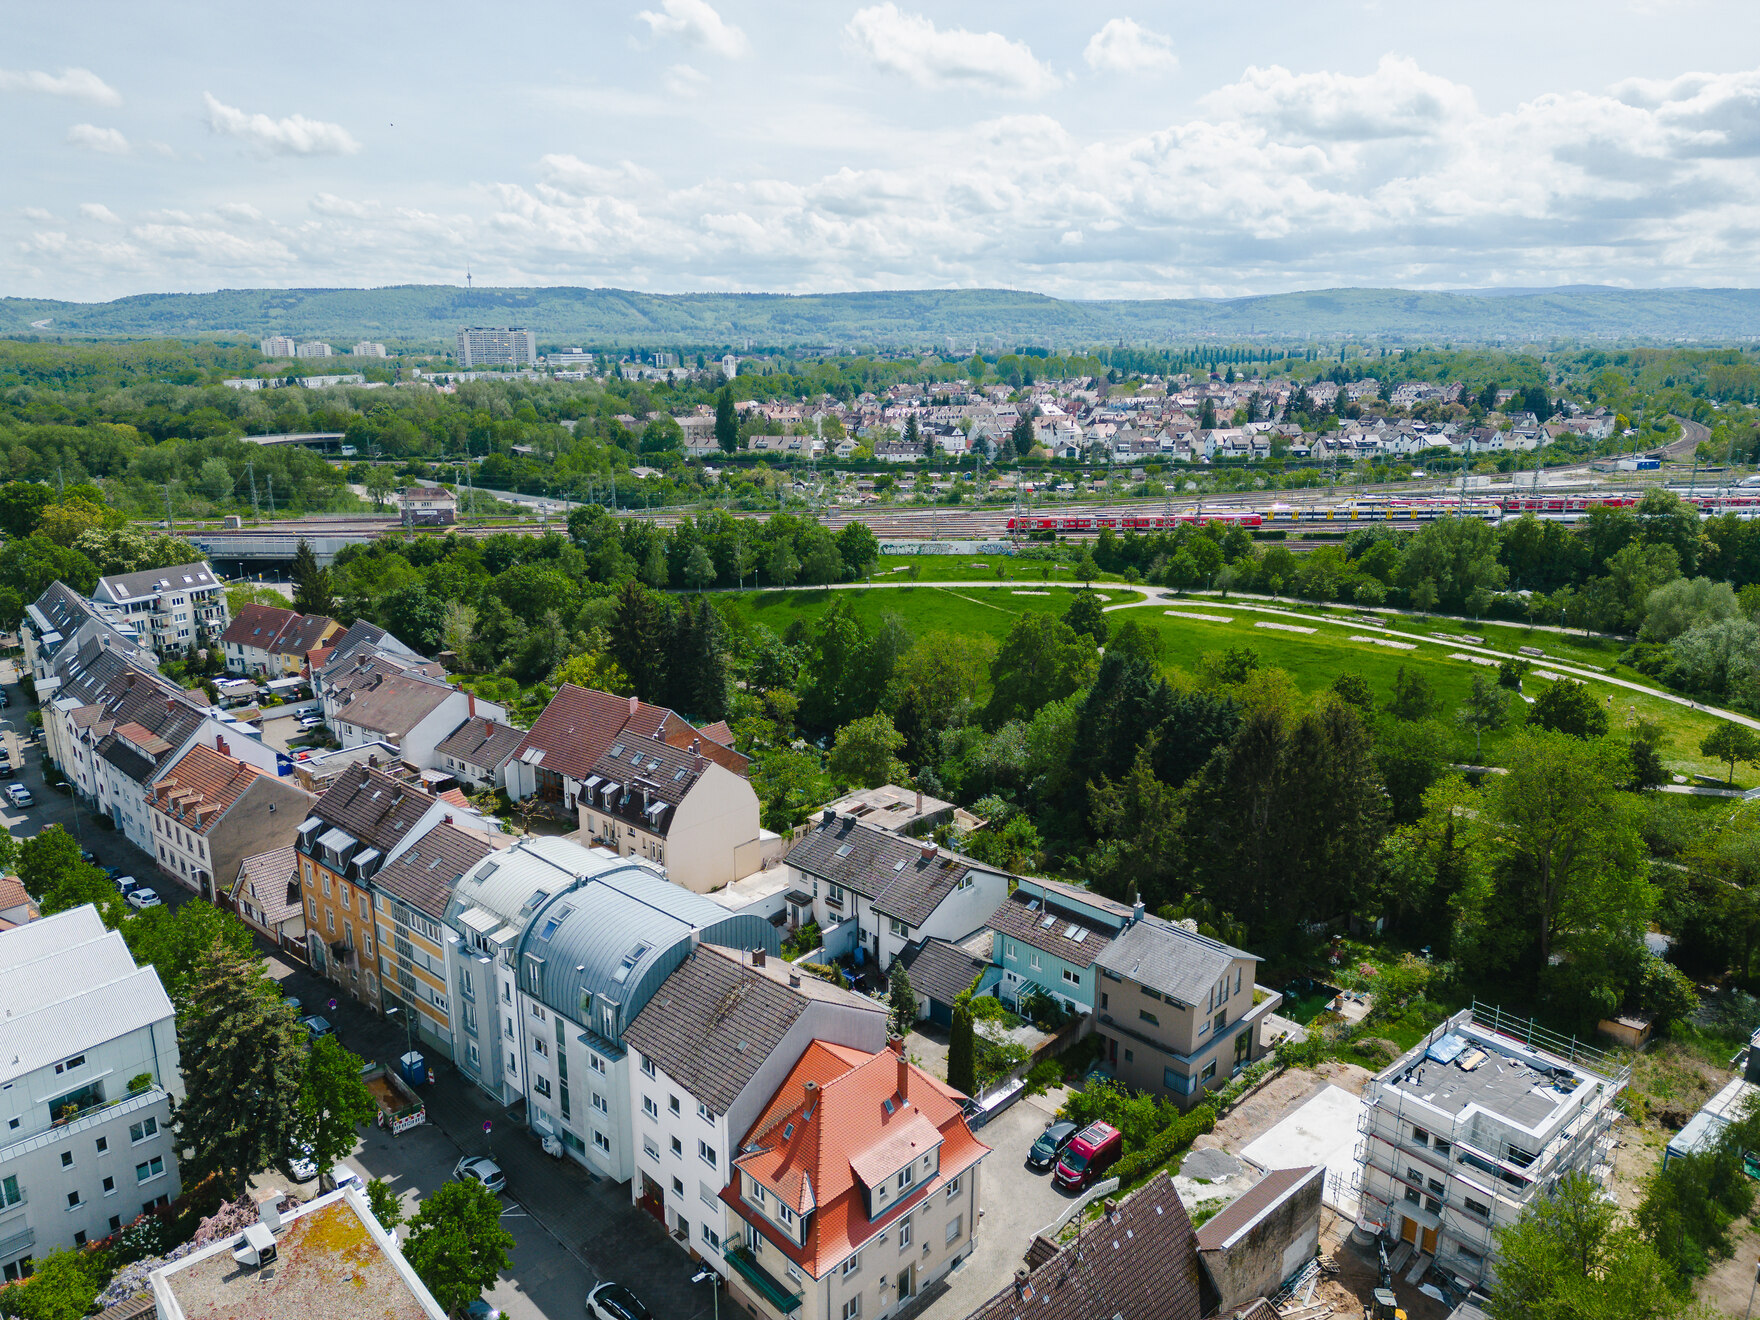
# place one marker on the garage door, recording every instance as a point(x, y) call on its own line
point(941, 1014)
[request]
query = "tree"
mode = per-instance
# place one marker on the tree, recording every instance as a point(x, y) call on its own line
point(699, 569)
point(333, 1102)
point(459, 629)
point(780, 565)
point(385, 1204)
point(1086, 569)
point(1486, 707)
point(822, 565)
point(1727, 742)
point(1644, 746)
point(62, 1286)
point(901, 1001)
point(1083, 615)
point(1353, 689)
point(21, 507)
point(312, 591)
point(1568, 707)
point(1021, 436)
point(178, 943)
point(858, 547)
point(380, 484)
point(456, 1244)
point(244, 1059)
point(1570, 1256)
point(1423, 594)
point(726, 421)
point(866, 753)
point(1413, 698)
point(1041, 660)
point(413, 616)
point(962, 1061)
point(640, 638)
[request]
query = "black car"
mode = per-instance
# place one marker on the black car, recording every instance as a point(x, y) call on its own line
point(1050, 1145)
point(6, 770)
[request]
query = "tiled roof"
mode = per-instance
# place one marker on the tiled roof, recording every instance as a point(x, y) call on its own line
point(905, 878)
point(714, 1022)
point(580, 725)
point(1140, 1262)
point(718, 732)
point(390, 703)
point(267, 878)
point(1245, 1209)
point(257, 626)
point(810, 1146)
point(481, 741)
point(425, 874)
point(1077, 939)
point(372, 806)
point(939, 970)
point(12, 892)
point(150, 581)
point(305, 632)
point(201, 786)
point(1177, 962)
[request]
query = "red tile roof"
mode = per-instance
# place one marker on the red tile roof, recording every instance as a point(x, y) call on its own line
point(580, 725)
point(200, 787)
point(813, 1145)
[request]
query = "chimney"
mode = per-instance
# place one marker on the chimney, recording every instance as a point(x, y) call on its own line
point(827, 816)
point(1136, 911)
point(634, 701)
point(919, 802)
point(1020, 1283)
point(446, 819)
point(220, 746)
point(929, 852)
point(269, 1211)
point(171, 705)
point(794, 979)
point(373, 759)
point(1111, 1208)
point(695, 744)
point(131, 678)
point(488, 727)
point(904, 1069)
point(757, 957)
point(470, 704)
point(812, 1100)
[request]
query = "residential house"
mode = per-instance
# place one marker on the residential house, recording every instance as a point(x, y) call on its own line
point(1262, 1238)
point(1138, 1259)
point(290, 1265)
point(477, 751)
point(266, 896)
point(1178, 1012)
point(901, 451)
point(208, 812)
point(940, 972)
point(856, 1189)
point(361, 643)
point(63, 620)
point(428, 506)
point(559, 948)
point(1483, 1117)
point(706, 1054)
point(1047, 937)
point(879, 891)
point(88, 1074)
point(180, 606)
point(410, 898)
point(273, 643)
point(17, 907)
point(363, 823)
point(901, 810)
point(378, 700)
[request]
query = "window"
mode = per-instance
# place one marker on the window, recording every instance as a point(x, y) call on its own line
point(649, 1108)
point(1148, 1017)
point(1222, 1020)
point(1420, 1136)
point(1442, 1148)
point(67, 1159)
point(72, 1200)
point(541, 1085)
point(79, 1238)
point(853, 1266)
point(139, 1132)
point(1412, 1195)
point(115, 1223)
point(103, 1144)
point(705, 1113)
point(952, 1188)
point(953, 1227)
point(706, 1153)
point(678, 1187)
point(758, 1198)
point(678, 1147)
point(852, 1309)
point(672, 1102)
point(712, 1238)
point(1105, 1000)
point(785, 1215)
point(834, 895)
point(899, 928)
point(151, 1169)
point(598, 1065)
point(1209, 1072)
point(539, 1045)
point(1478, 1207)
point(1073, 978)
point(1415, 1175)
point(647, 1067)
point(602, 1142)
point(77, 1061)
point(904, 1234)
point(1033, 960)
point(109, 1186)
point(650, 1149)
point(705, 1193)
point(476, 1058)
point(906, 1176)
point(9, 1193)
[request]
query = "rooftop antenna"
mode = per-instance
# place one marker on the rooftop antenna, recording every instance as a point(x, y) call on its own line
point(467, 277)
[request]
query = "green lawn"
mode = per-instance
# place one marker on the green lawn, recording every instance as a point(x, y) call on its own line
point(1314, 660)
point(989, 610)
point(978, 568)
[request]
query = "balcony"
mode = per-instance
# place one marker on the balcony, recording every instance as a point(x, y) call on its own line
point(769, 1287)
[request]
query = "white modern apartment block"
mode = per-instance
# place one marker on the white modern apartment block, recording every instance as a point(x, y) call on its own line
point(278, 346)
point(314, 349)
point(367, 348)
point(89, 1072)
point(487, 346)
point(179, 606)
point(1485, 1115)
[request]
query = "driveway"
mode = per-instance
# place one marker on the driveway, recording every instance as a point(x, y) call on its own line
point(1014, 1204)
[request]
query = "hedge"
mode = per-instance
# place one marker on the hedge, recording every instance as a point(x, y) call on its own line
point(1140, 1164)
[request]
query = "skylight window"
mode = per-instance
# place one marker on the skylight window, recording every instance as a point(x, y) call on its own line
point(630, 960)
point(899, 864)
point(1049, 922)
point(1079, 936)
point(616, 750)
point(1073, 931)
point(843, 850)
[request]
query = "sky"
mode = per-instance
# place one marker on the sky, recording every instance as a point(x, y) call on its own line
point(1078, 150)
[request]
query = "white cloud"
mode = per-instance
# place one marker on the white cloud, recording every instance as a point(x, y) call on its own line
point(1398, 100)
point(98, 211)
point(241, 213)
point(38, 214)
point(81, 84)
point(695, 23)
point(332, 205)
point(107, 140)
point(911, 44)
point(219, 247)
point(1126, 46)
point(683, 80)
point(293, 136)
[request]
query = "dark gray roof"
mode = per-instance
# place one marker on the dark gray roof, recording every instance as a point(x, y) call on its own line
point(371, 805)
point(905, 878)
point(147, 581)
point(1141, 1262)
point(481, 741)
point(1023, 915)
point(424, 875)
point(939, 970)
point(712, 1023)
point(1246, 1208)
point(1177, 962)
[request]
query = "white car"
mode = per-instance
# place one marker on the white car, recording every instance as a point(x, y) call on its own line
point(144, 898)
point(20, 795)
point(300, 1166)
point(480, 1169)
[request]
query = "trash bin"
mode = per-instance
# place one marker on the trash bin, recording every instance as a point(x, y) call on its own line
point(415, 1068)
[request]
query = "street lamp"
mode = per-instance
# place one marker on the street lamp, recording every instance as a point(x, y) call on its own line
point(714, 1280)
point(408, 1026)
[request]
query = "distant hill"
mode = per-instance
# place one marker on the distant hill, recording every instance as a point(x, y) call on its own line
point(427, 315)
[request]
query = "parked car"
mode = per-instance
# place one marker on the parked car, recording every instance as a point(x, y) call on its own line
point(293, 1003)
point(480, 1169)
point(481, 1310)
point(6, 770)
point(5, 701)
point(89, 857)
point(342, 1176)
point(144, 898)
point(1089, 1154)
point(317, 1026)
point(1043, 1156)
point(127, 884)
point(301, 1167)
point(5, 754)
point(20, 796)
point(612, 1301)
point(310, 720)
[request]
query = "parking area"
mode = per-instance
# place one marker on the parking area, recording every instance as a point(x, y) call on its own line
point(1014, 1204)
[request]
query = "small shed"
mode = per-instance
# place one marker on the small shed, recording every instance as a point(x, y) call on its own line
point(1631, 1030)
point(940, 973)
point(1261, 1238)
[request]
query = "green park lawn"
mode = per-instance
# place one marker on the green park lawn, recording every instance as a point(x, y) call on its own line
point(978, 568)
point(1314, 660)
point(987, 610)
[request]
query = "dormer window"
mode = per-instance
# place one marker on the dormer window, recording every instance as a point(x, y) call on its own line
point(907, 1176)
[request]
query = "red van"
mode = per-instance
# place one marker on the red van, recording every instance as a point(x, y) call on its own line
point(1093, 1151)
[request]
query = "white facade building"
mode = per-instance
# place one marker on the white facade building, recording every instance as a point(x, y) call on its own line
point(278, 346)
point(314, 349)
point(367, 348)
point(176, 607)
point(486, 346)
